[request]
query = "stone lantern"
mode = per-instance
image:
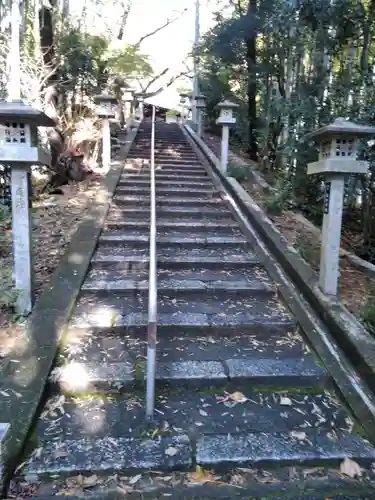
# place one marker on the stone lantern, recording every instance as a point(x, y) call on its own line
point(183, 98)
point(128, 99)
point(105, 109)
point(200, 104)
point(141, 99)
point(226, 119)
point(338, 146)
point(20, 148)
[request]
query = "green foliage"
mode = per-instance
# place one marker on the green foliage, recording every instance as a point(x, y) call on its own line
point(7, 293)
point(84, 58)
point(368, 314)
point(239, 172)
point(309, 250)
point(5, 220)
point(280, 198)
point(313, 62)
point(88, 59)
point(129, 62)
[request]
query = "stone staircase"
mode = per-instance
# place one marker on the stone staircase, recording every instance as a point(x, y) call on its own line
point(238, 390)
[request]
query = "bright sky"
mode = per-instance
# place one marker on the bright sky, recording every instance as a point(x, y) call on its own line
point(169, 47)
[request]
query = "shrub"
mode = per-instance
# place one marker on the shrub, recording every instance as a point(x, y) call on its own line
point(239, 172)
point(368, 313)
point(281, 198)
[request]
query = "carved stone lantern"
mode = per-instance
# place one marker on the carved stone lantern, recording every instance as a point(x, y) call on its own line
point(127, 99)
point(183, 98)
point(226, 119)
point(21, 148)
point(338, 147)
point(141, 99)
point(105, 106)
point(105, 109)
point(200, 105)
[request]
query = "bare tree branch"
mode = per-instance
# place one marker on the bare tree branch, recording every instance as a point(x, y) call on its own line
point(153, 80)
point(127, 5)
point(167, 23)
point(168, 84)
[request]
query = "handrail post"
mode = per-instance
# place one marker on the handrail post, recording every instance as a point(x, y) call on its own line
point(152, 287)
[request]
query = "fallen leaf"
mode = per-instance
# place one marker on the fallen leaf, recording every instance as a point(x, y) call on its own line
point(285, 401)
point(90, 481)
point(171, 451)
point(203, 413)
point(135, 479)
point(203, 476)
point(238, 396)
point(61, 453)
point(350, 468)
point(300, 435)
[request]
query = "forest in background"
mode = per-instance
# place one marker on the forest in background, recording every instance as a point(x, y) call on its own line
point(294, 66)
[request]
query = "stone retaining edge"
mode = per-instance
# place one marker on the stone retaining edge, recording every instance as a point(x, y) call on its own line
point(23, 380)
point(338, 338)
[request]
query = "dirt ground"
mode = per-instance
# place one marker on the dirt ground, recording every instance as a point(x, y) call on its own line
point(355, 287)
point(56, 219)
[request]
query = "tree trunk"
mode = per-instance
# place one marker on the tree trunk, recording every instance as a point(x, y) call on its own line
point(251, 81)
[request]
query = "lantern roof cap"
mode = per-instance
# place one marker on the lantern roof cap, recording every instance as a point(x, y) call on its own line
point(227, 105)
point(99, 99)
point(338, 127)
point(199, 96)
point(19, 111)
point(184, 94)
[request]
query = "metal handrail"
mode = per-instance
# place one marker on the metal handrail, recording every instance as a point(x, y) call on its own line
point(152, 287)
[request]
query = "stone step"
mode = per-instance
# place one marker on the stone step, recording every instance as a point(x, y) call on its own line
point(165, 178)
point(162, 201)
point(162, 143)
point(110, 455)
point(174, 258)
point(208, 412)
point(175, 166)
point(190, 315)
point(117, 348)
point(167, 183)
point(162, 153)
point(208, 192)
point(173, 239)
point(93, 364)
point(253, 282)
point(164, 171)
point(89, 377)
point(262, 484)
point(175, 211)
point(163, 224)
point(128, 455)
point(166, 161)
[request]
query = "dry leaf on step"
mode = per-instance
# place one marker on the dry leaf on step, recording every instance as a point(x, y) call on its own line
point(285, 401)
point(90, 481)
point(202, 476)
point(300, 435)
point(238, 396)
point(171, 451)
point(135, 479)
point(350, 468)
point(60, 453)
